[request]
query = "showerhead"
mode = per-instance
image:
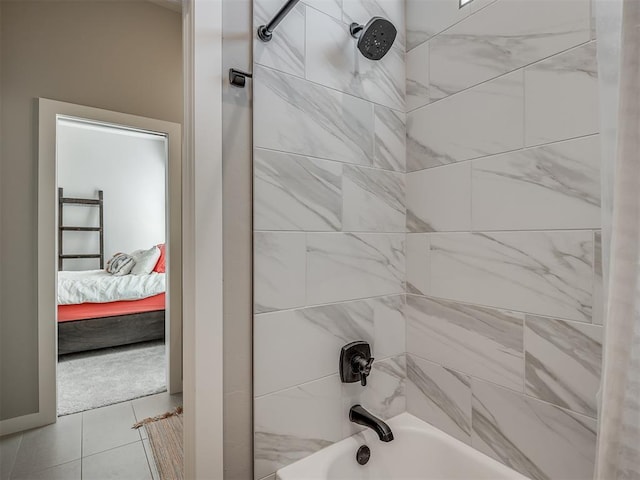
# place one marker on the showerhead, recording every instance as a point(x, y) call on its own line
point(375, 38)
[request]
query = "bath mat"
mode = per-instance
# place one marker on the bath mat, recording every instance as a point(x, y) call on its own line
point(165, 438)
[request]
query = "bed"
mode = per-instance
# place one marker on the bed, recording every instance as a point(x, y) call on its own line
point(100, 310)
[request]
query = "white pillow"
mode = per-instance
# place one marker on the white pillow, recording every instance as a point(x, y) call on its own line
point(145, 261)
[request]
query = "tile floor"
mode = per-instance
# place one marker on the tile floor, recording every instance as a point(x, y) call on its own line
point(94, 445)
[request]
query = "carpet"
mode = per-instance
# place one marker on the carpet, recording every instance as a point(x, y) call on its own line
point(165, 438)
point(95, 379)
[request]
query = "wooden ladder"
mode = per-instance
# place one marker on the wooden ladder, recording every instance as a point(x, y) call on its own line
point(88, 202)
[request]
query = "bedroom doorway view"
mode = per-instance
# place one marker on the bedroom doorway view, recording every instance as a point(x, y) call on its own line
point(112, 243)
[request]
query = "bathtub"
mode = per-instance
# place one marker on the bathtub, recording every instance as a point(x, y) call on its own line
point(419, 451)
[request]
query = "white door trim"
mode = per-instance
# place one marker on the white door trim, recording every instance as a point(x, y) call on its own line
point(202, 236)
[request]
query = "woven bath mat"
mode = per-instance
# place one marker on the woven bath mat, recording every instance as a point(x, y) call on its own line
point(165, 438)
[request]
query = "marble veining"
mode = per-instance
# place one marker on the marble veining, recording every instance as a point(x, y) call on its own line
point(418, 264)
point(285, 51)
point(563, 363)
point(351, 266)
point(279, 270)
point(278, 443)
point(545, 273)
point(374, 200)
point(550, 187)
point(330, 7)
point(535, 438)
point(598, 289)
point(481, 121)
point(418, 77)
point(293, 192)
point(390, 138)
point(561, 96)
point(502, 37)
point(297, 116)
point(333, 60)
point(426, 19)
point(429, 191)
point(439, 396)
point(479, 341)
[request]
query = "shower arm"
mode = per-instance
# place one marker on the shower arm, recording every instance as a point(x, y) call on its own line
point(265, 32)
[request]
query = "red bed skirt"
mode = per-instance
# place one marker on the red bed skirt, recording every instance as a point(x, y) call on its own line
point(68, 313)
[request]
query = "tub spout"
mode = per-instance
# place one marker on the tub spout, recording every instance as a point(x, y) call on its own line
point(358, 414)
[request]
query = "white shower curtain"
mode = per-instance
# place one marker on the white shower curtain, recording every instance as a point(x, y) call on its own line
point(619, 431)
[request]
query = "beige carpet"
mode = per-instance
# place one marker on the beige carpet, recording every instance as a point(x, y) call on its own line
point(165, 438)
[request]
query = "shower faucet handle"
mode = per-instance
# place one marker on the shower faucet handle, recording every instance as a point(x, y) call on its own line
point(355, 362)
point(363, 366)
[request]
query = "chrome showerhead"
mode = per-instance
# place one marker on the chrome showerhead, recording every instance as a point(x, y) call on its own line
point(375, 38)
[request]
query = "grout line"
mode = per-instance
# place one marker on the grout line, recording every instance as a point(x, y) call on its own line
point(441, 232)
point(340, 302)
point(515, 150)
point(562, 52)
point(334, 89)
point(504, 309)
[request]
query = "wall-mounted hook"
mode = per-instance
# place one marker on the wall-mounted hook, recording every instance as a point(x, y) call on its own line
point(238, 78)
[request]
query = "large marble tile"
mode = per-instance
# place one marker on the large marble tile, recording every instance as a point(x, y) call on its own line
point(292, 424)
point(478, 341)
point(330, 7)
point(49, 446)
point(561, 96)
point(563, 363)
point(361, 11)
point(279, 269)
point(373, 200)
point(390, 150)
point(439, 199)
point(384, 395)
point(293, 192)
point(352, 266)
point(482, 121)
point(502, 37)
point(544, 273)
point(285, 51)
point(598, 287)
point(439, 396)
point(418, 77)
point(333, 60)
point(418, 265)
point(320, 333)
point(537, 439)
point(556, 186)
point(297, 116)
point(428, 18)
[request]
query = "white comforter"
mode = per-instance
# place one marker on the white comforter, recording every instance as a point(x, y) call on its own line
point(98, 286)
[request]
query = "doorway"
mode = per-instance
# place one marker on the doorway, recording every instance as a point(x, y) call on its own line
point(73, 139)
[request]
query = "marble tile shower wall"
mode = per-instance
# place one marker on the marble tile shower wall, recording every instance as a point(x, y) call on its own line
point(503, 305)
point(329, 222)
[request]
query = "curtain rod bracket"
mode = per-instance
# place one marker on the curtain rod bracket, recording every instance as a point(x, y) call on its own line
point(265, 32)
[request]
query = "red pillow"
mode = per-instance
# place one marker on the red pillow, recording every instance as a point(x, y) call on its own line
point(161, 264)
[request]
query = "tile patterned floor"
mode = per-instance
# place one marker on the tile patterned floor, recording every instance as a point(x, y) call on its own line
point(94, 445)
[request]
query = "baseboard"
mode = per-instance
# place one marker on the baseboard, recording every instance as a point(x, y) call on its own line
point(24, 422)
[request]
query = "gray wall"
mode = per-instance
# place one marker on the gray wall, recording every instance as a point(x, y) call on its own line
point(503, 214)
point(329, 223)
point(123, 56)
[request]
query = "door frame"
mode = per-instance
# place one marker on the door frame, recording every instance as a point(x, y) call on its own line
point(48, 113)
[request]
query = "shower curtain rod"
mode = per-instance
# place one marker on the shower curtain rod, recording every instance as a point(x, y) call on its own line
point(265, 32)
